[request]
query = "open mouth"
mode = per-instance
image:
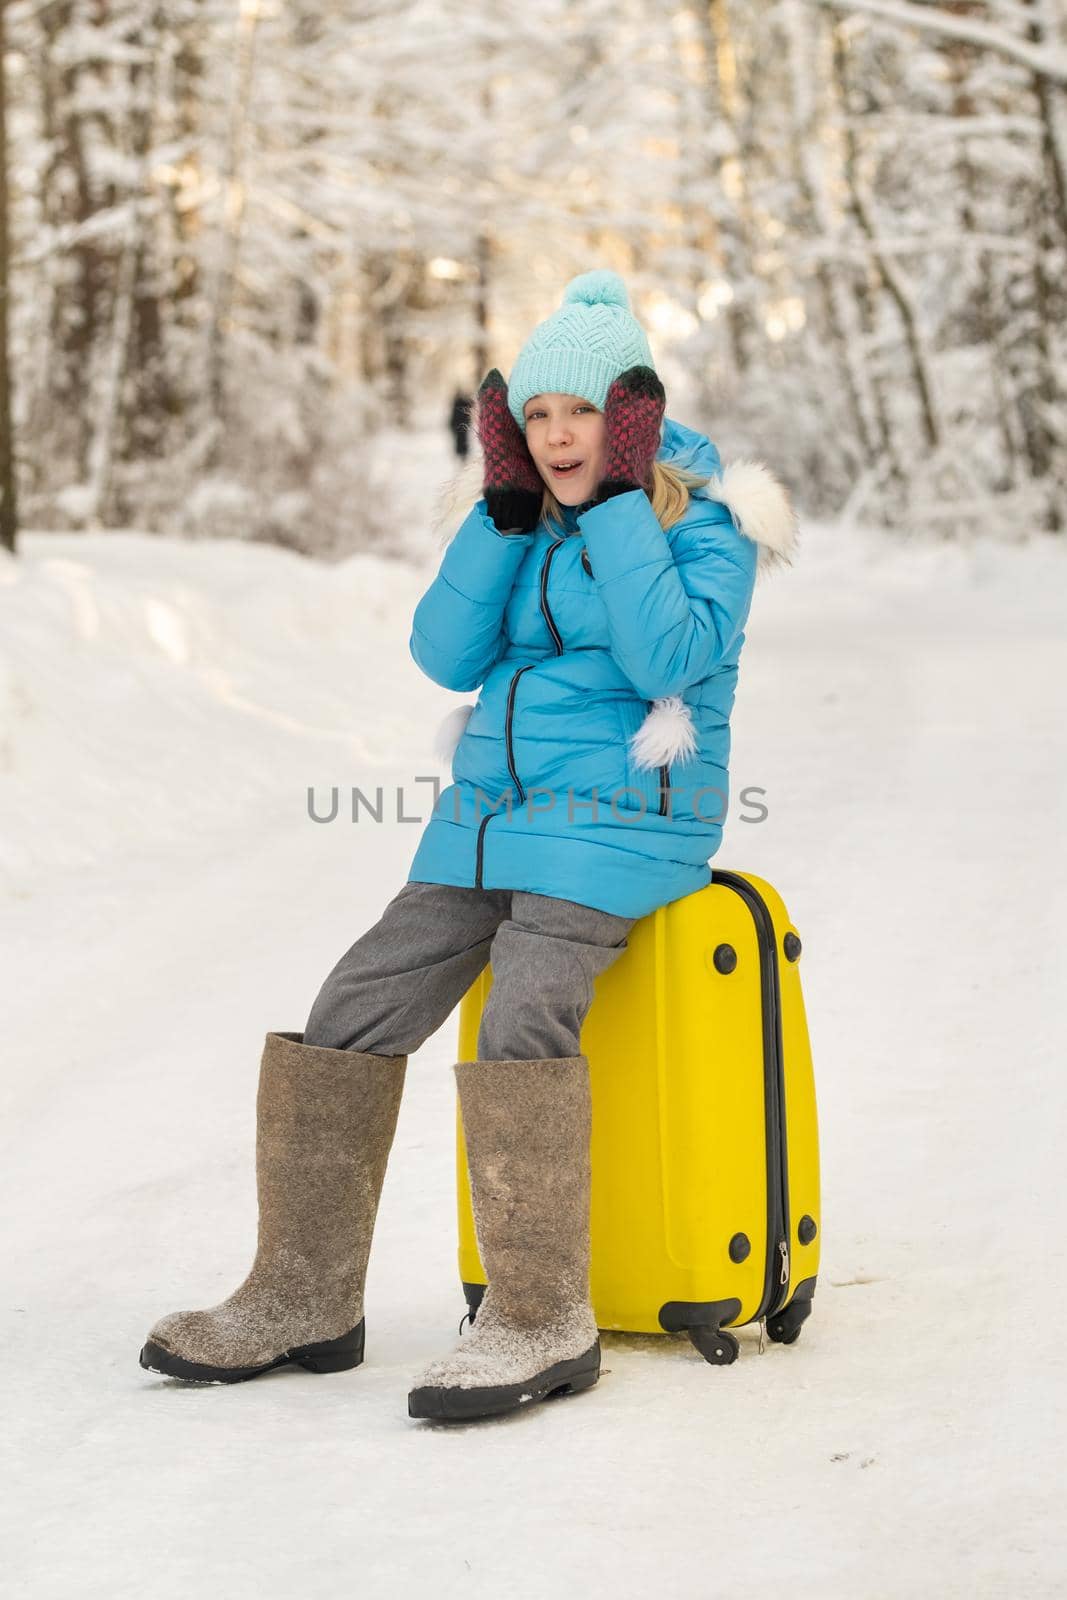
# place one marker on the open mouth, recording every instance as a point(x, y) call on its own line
point(564, 469)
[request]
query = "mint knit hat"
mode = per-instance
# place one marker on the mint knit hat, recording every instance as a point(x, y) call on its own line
point(581, 348)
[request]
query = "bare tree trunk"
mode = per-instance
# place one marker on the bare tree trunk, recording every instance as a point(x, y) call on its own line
point(387, 280)
point(233, 217)
point(184, 92)
point(152, 398)
point(987, 323)
point(698, 193)
point(735, 241)
point(68, 195)
point(393, 306)
point(136, 135)
point(8, 487)
point(892, 277)
point(842, 307)
point(367, 278)
point(343, 322)
point(1045, 401)
point(1048, 28)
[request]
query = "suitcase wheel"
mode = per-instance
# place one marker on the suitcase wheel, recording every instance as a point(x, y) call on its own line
point(715, 1345)
point(784, 1327)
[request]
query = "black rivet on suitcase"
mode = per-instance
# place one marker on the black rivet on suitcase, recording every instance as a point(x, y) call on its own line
point(792, 946)
point(725, 958)
point(740, 1248)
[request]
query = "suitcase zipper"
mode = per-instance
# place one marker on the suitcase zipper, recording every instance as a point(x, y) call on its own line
point(776, 1278)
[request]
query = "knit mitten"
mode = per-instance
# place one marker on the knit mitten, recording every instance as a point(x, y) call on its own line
point(513, 487)
point(633, 415)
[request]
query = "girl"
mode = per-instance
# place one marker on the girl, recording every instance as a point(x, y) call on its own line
point(596, 595)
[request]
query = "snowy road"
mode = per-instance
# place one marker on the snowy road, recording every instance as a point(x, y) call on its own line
point(166, 899)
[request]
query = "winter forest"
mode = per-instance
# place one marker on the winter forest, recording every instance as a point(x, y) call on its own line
point(241, 239)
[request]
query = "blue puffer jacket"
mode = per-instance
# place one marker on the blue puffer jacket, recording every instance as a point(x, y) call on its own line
point(594, 765)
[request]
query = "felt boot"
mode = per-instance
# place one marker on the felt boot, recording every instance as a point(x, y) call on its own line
point(527, 1126)
point(325, 1121)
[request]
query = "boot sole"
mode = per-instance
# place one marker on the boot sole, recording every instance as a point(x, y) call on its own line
point(465, 1405)
point(331, 1355)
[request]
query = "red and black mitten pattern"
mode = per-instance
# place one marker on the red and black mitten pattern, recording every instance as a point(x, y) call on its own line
point(513, 487)
point(633, 415)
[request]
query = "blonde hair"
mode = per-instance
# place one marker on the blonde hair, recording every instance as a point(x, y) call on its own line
point(670, 495)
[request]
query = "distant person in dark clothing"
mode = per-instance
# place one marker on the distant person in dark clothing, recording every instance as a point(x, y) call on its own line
point(459, 422)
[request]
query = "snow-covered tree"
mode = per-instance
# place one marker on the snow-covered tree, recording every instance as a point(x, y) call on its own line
point(246, 236)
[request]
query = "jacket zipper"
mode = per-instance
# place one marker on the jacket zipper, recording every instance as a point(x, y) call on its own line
point(510, 749)
point(508, 721)
point(776, 1272)
point(510, 713)
point(664, 778)
point(545, 612)
point(478, 884)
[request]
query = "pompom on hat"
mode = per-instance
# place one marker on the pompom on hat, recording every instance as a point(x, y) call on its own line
point(582, 348)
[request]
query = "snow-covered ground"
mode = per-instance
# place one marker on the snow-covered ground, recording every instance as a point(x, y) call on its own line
point(166, 899)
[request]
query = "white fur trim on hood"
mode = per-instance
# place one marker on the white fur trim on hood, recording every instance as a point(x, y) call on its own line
point(760, 508)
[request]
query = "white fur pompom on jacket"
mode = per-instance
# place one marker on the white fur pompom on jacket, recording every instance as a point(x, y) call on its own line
point(594, 764)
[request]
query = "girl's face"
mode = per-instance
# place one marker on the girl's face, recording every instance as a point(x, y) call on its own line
point(560, 429)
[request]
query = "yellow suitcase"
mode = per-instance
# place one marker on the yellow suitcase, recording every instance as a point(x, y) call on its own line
point(705, 1161)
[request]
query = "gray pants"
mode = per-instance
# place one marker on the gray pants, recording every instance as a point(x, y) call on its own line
point(403, 978)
